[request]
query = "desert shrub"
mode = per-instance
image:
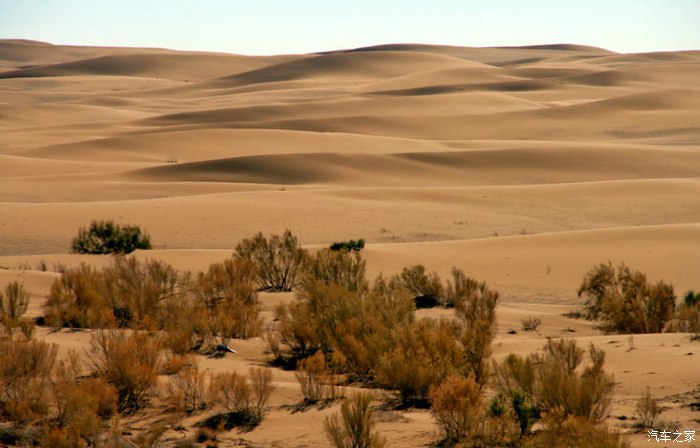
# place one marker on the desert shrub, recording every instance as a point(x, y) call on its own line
point(425, 354)
point(625, 301)
point(77, 300)
point(475, 306)
point(247, 400)
point(278, 259)
point(25, 367)
point(354, 427)
point(105, 237)
point(186, 386)
point(647, 410)
point(129, 361)
point(349, 246)
point(426, 288)
point(575, 432)
point(457, 407)
point(688, 315)
point(554, 382)
point(341, 268)
point(316, 379)
point(691, 298)
point(530, 324)
point(13, 305)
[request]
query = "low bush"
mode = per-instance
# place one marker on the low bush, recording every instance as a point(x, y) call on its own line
point(335, 268)
point(426, 288)
point(244, 400)
point(553, 382)
point(186, 387)
point(530, 324)
point(457, 407)
point(625, 301)
point(106, 237)
point(13, 305)
point(25, 369)
point(279, 259)
point(316, 379)
point(349, 246)
point(130, 361)
point(354, 427)
point(647, 410)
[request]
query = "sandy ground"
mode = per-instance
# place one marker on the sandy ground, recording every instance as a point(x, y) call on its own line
point(522, 166)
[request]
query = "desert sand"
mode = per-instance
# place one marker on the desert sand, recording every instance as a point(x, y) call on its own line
point(523, 166)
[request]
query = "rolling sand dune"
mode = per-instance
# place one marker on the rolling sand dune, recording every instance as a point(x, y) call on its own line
point(525, 166)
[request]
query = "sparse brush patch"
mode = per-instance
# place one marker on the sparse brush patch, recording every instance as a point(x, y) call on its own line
point(688, 315)
point(554, 382)
point(354, 427)
point(342, 268)
point(279, 259)
point(128, 361)
point(25, 369)
point(426, 288)
point(647, 411)
point(13, 305)
point(625, 302)
point(186, 387)
point(530, 324)
point(316, 379)
point(457, 406)
point(241, 397)
point(575, 432)
point(349, 246)
point(106, 237)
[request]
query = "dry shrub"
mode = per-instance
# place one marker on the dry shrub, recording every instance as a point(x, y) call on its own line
point(343, 268)
point(316, 379)
point(688, 315)
point(354, 427)
point(553, 382)
point(77, 300)
point(457, 406)
point(237, 395)
point(426, 288)
point(25, 368)
point(575, 432)
point(279, 260)
point(625, 301)
point(426, 353)
point(130, 361)
point(475, 305)
point(186, 387)
point(13, 305)
point(647, 410)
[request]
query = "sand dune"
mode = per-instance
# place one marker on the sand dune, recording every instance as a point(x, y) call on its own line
point(525, 166)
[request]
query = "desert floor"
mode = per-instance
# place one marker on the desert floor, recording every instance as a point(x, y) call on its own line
point(523, 166)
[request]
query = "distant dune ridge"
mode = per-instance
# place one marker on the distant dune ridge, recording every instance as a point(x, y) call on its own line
point(523, 165)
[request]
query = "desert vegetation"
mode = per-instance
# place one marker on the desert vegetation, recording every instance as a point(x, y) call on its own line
point(150, 323)
point(106, 237)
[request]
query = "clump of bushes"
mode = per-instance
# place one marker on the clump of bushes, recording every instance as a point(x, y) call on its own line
point(426, 288)
point(625, 301)
point(246, 400)
point(279, 259)
point(106, 237)
point(354, 427)
point(349, 246)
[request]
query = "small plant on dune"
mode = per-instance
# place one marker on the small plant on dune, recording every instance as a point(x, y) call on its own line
point(647, 410)
point(625, 301)
point(128, 361)
point(106, 237)
point(349, 246)
point(246, 401)
point(426, 288)
point(13, 305)
point(457, 406)
point(575, 432)
point(279, 259)
point(340, 268)
point(25, 369)
point(186, 387)
point(354, 427)
point(316, 379)
point(530, 324)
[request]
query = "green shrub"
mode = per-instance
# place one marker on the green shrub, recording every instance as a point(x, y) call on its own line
point(354, 427)
point(553, 382)
point(106, 237)
point(349, 246)
point(279, 260)
point(625, 301)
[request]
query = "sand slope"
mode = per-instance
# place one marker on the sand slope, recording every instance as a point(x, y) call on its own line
point(525, 166)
